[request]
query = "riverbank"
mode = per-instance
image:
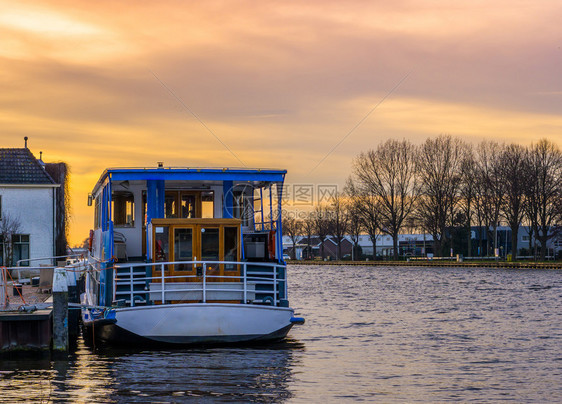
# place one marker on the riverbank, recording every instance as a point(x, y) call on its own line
point(440, 263)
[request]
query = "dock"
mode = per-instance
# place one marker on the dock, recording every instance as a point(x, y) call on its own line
point(37, 320)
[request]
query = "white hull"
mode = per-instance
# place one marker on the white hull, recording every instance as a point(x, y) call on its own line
point(198, 323)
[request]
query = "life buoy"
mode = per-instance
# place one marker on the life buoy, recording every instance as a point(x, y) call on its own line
point(91, 240)
point(271, 244)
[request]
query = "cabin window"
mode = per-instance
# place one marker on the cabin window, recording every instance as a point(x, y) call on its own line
point(188, 203)
point(241, 208)
point(207, 205)
point(210, 244)
point(161, 244)
point(183, 247)
point(123, 209)
point(97, 213)
point(230, 247)
point(171, 205)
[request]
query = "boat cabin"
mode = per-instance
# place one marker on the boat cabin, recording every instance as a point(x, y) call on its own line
point(183, 227)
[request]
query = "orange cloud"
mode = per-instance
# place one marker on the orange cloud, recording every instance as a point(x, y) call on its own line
point(281, 83)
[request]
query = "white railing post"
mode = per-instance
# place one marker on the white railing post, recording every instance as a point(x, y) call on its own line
point(163, 292)
point(3, 288)
point(275, 285)
point(285, 290)
point(131, 286)
point(204, 283)
point(114, 283)
point(245, 280)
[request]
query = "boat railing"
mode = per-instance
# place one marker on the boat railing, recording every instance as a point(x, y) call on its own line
point(264, 274)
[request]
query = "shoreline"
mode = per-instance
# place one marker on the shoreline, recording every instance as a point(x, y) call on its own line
point(438, 263)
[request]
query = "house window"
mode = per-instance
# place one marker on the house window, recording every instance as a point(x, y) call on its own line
point(123, 209)
point(19, 250)
point(525, 238)
point(20, 244)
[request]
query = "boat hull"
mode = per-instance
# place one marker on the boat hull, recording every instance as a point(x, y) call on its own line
point(194, 323)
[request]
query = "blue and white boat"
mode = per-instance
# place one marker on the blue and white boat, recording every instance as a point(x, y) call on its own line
point(187, 255)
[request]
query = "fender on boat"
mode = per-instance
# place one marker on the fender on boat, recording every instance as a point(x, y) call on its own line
point(297, 320)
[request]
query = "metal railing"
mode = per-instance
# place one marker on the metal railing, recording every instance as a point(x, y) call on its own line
point(124, 281)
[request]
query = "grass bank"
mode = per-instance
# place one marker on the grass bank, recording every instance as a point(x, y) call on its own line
point(441, 263)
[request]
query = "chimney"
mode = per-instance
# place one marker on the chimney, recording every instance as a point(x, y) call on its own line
point(41, 159)
point(25, 138)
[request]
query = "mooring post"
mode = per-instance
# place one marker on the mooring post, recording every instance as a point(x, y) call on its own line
point(60, 310)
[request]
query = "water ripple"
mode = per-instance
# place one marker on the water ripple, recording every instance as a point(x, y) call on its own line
point(371, 334)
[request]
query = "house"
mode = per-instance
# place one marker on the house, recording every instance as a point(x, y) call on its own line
point(330, 247)
point(28, 208)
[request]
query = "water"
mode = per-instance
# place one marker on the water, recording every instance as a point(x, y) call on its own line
point(372, 334)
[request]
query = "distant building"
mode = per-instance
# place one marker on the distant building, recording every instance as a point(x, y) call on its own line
point(330, 247)
point(420, 245)
point(27, 208)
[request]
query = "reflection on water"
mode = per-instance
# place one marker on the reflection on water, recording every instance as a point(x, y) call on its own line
point(371, 334)
point(259, 374)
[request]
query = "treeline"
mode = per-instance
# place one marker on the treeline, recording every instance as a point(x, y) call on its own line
point(441, 187)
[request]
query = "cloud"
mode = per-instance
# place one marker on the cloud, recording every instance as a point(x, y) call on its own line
point(279, 82)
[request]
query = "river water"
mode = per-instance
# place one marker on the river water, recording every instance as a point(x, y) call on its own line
point(372, 334)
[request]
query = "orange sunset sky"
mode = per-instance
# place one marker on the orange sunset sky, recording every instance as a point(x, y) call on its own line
point(112, 83)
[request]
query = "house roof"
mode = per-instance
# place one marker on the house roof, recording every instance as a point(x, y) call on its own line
point(19, 166)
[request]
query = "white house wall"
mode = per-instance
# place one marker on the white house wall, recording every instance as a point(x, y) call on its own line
point(34, 209)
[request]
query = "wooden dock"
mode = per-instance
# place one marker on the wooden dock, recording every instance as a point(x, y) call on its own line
point(20, 331)
point(36, 322)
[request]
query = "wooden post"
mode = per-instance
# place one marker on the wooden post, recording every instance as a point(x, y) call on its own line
point(60, 310)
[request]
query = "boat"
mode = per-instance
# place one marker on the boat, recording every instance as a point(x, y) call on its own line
point(182, 255)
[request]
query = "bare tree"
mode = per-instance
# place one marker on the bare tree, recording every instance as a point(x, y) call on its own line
point(544, 191)
point(367, 207)
point(9, 227)
point(308, 229)
point(339, 221)
point(514, 172)
point(292, 227)
point(491, 188)
point(322, 225)
point(467, 194)
point(440, 171)
point(355, 222)
point(389, 174)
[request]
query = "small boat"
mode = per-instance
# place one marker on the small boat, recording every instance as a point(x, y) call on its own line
point(187, 256)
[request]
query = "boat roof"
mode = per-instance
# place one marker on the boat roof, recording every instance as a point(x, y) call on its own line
point(191, 174)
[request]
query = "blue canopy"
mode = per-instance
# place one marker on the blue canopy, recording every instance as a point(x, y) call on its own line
point(191, 174)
